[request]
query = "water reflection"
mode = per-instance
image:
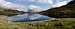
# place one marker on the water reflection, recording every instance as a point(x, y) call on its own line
point(24, 18)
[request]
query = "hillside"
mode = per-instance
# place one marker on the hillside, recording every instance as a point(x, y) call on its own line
point(4, 23)
point(67, 11)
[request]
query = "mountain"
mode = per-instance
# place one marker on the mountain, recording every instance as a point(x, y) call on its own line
point(9, 12)
point(67, 11)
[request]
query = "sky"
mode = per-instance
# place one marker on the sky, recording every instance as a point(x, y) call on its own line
point(29, 3)
point(43, 4)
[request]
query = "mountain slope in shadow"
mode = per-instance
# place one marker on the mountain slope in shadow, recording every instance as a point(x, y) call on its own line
point(67, 11)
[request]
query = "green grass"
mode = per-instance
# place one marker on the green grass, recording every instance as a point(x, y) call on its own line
point(62, 23)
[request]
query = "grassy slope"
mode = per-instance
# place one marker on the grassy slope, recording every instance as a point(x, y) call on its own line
point(4, 23)
point(63, 23)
